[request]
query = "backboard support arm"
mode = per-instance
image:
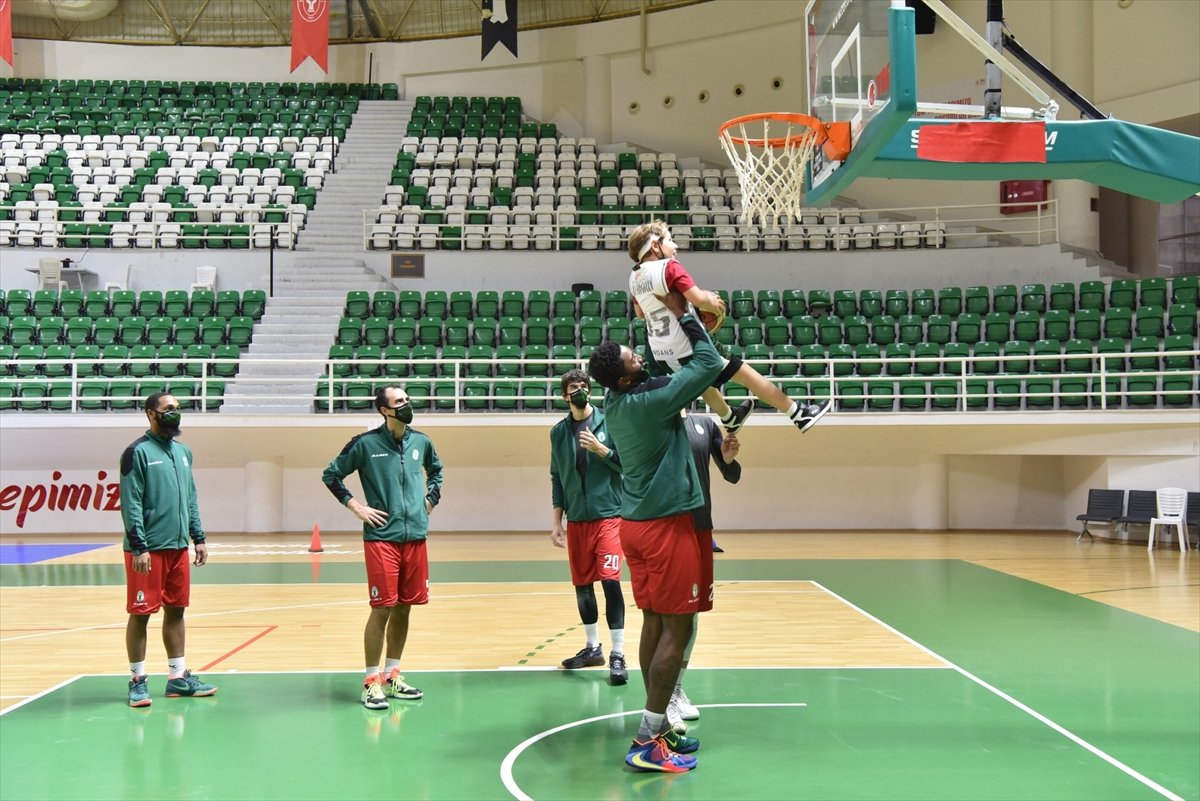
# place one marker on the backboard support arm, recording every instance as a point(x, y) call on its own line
point(1031, 62)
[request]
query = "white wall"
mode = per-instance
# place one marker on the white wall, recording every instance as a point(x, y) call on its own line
point(501, 270)
point(855, 471)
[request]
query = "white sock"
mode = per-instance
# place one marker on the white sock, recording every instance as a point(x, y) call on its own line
point(593, 634)
point(389, 665)
point(618, 640)
point(795, 410)
point(651, 725)
point(729, 417)
point(138, 668)
point(175, 667)
point(372, 670)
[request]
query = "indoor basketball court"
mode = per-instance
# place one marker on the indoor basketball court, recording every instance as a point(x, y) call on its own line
point(972, 665)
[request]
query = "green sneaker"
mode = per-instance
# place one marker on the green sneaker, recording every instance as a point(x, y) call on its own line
point(188, 685)
point(679, 743)
point(138, 694)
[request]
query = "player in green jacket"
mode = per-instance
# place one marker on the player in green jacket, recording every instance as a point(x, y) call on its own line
point(585, 484)
point(159, 512)
point(660, 490)
point(401, 477)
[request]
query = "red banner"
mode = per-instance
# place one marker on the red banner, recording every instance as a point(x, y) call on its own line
point(310, 32)
point(977, 142)
point(6, 31)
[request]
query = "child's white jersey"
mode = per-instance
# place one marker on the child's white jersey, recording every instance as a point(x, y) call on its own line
point(666, 338)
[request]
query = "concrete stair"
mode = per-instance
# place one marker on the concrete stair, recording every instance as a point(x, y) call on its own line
point(292, 339)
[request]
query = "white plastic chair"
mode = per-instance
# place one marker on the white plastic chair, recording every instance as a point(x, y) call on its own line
point(1172, 502)
point(206, 278)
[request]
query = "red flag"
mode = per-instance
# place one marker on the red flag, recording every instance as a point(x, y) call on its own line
point(310, 32)
point(999, 142)
point(6, 31)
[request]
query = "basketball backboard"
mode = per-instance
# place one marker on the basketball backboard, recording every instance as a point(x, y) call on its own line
point(862, 69)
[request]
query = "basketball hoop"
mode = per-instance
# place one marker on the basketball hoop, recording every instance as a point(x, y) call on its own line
point(771, 153)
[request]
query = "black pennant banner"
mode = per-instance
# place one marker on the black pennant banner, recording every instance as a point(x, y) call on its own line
point(499, 25)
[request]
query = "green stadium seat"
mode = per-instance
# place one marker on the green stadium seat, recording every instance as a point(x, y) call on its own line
point(1062, 296)
point(938, 328)
point(213, 330)
point(950, 300)
point(1122, 293)
point(883, 330)
point(1181, 319)
point(1118, 322)
point(1004, 299)
point(1033, 298)
point(977, 300)
point(1185, 289)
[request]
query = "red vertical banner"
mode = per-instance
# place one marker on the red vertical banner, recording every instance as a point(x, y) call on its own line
point(6, 31)
point(310, 32)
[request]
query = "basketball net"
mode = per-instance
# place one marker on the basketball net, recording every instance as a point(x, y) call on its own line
point(771, 154)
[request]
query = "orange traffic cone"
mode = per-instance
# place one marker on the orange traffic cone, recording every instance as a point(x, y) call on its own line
point(315, 545)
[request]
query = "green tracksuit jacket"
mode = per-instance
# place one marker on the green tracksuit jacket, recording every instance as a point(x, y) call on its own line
point(594, 494)
point(397, 477)
point(158, 495)
point(659, 473)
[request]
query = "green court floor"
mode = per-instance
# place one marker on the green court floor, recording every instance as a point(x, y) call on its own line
point(865, 733)
point(1044, 695)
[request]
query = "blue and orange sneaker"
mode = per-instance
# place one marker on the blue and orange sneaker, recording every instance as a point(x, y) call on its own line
point(138, 694)
point(189, 686)
point(655, 755)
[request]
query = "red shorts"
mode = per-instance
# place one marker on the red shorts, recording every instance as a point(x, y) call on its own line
point(594, 549)
point(704, 541)
point(397, 572)
point(167, 584)
point(664, 563)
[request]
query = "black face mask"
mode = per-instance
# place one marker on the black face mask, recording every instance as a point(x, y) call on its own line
point(639, 376)
point(403, 413)
point(580, 398)
point(168, 422)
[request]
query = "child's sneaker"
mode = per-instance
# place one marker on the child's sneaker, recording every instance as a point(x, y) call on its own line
point(810, 414)
point(679, 743)
point(372, 694)
point(740, 413)
point(188, 685)
point(395, 687)
point(139, 695)
point(656, 755)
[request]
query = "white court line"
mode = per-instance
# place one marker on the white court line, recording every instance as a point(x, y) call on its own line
point(31, 698)
point(549, 668)
point(1116, 763)
point(510, 759)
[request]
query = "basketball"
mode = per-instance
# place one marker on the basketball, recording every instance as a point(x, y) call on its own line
point(712, 320)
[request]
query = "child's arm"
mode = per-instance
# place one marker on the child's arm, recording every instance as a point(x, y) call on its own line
point(704, 300)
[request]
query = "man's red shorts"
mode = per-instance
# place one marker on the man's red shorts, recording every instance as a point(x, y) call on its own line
point(664, 563)
point(397, 572)
point(167, 584)
point(704, 538)
point(594, 550)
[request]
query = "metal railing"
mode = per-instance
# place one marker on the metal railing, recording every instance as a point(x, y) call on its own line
point(544, 228)
point(470, 385)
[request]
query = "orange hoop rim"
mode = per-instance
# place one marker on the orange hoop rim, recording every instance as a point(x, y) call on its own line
point(817, 126)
